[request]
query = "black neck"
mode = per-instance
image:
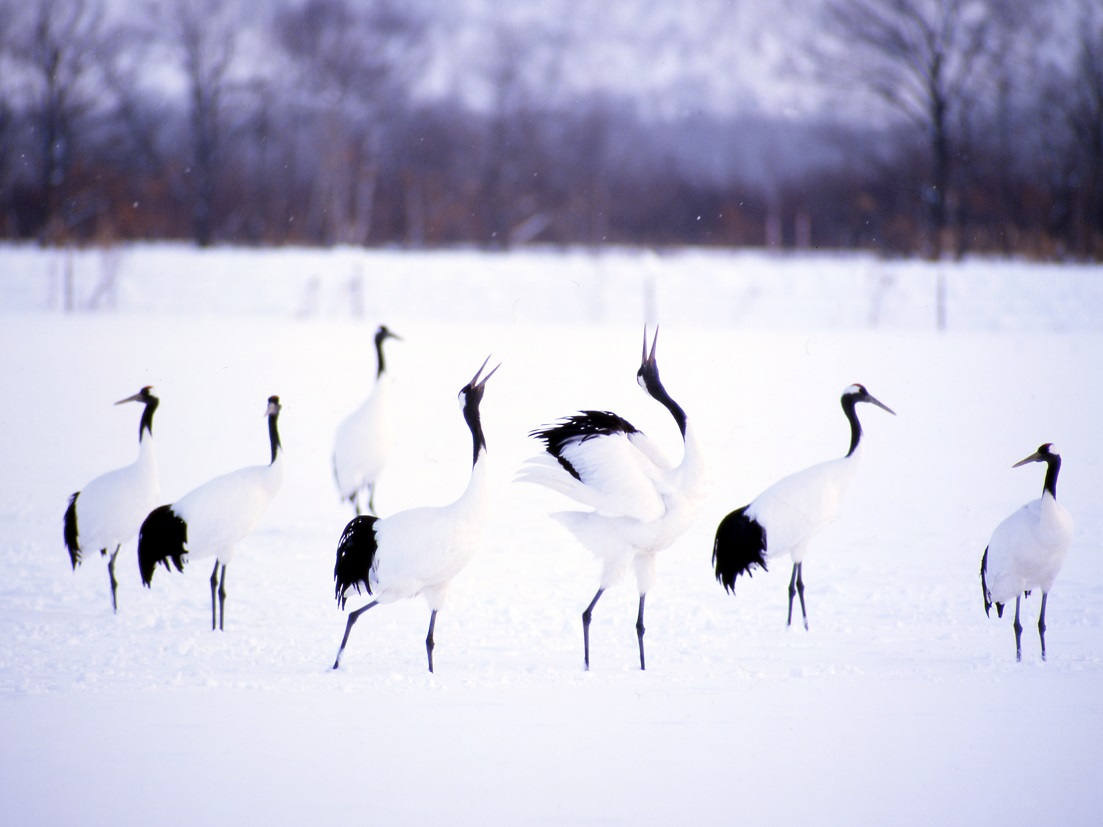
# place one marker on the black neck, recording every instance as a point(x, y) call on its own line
point(658, 392)
point(273, 435)
point(1053, 468)
point(474, 422)
point(146, 425)
point(855, 426)
point(380, 364)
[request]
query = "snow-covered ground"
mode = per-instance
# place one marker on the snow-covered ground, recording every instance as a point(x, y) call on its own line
point(902, 705)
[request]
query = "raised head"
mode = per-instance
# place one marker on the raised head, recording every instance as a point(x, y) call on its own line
point(470, 396)
point(648, 378)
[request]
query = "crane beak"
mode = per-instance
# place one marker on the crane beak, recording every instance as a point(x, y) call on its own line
point(645, 357)
point(879, 404)
point(1037, 456)
point(478, 383)
point(140, 396)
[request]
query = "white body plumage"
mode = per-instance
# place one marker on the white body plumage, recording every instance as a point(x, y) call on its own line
point(418, 551)
point(798, 507)
point(212, 519)
point(109, 510)
point(223, 511)
point(441, 540)
point(784, 518)
point(642, 503)
point(1028, 549)
point(362, 444)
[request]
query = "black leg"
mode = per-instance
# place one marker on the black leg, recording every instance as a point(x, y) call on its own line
point(640, 629)
point(1018, 631)
point(114, 582)
point(1042, 625)
point(371, 498)
point(353, 617)
point(800, 593)
point(792, 594)
point(586, 627)
point(214, 595)
point(429, 643)
point(222, 599)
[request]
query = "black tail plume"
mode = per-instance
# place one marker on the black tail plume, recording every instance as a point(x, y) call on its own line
point(355, 555)
point(740, 545)
point(71, 531)
point(162, 538)
point(984, 583)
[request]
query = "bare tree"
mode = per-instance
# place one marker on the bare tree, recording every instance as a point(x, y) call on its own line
point(926, 59)
point(355, 63)
point(56, 42)
point(202, 39)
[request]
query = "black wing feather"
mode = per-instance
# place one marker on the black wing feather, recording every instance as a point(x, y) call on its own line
point(579, 428)
point(355, 555)
point(71, 541)
point(162, 538)
point(740, 545)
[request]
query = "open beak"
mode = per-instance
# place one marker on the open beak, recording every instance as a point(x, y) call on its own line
point(478, 383)
point(646, 357)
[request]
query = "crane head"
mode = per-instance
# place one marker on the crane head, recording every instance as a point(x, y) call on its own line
point(1045, 453)
point(858, 393)
point(144, 396)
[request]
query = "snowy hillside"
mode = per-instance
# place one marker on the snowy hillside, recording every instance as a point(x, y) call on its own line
point(903, 704)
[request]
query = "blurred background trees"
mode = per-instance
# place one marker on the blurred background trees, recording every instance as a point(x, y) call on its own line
point(932, 127)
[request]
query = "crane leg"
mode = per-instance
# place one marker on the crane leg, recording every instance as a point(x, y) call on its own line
point(796, 587)
point(214, 594)
point(114, 582)
point(353, 617)
point(800, 594)
point(1042, 625)
point(218, 591)
point(222, 599)
point(371, 498)
point(429, 642)
point(1018, 630)
point(586, 626)
point(639, 628)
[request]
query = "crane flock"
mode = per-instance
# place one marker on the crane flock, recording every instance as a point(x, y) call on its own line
point(637, 503)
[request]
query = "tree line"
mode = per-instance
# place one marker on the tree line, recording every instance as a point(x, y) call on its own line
point(945, 127)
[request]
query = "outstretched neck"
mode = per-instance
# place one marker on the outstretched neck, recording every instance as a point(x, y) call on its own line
point(274, 437)
point(855, 425)
point(380, 362)
point(1053, 468)
point(675, 409)
point(146, 425)
point(478, 439)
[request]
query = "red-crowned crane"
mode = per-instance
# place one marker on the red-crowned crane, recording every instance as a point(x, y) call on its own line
point(641, 501)
point(212, 519)
point(109, 510)
point(364, 438)
point(1027, 549)
point(787, 515)
point(420, 550)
